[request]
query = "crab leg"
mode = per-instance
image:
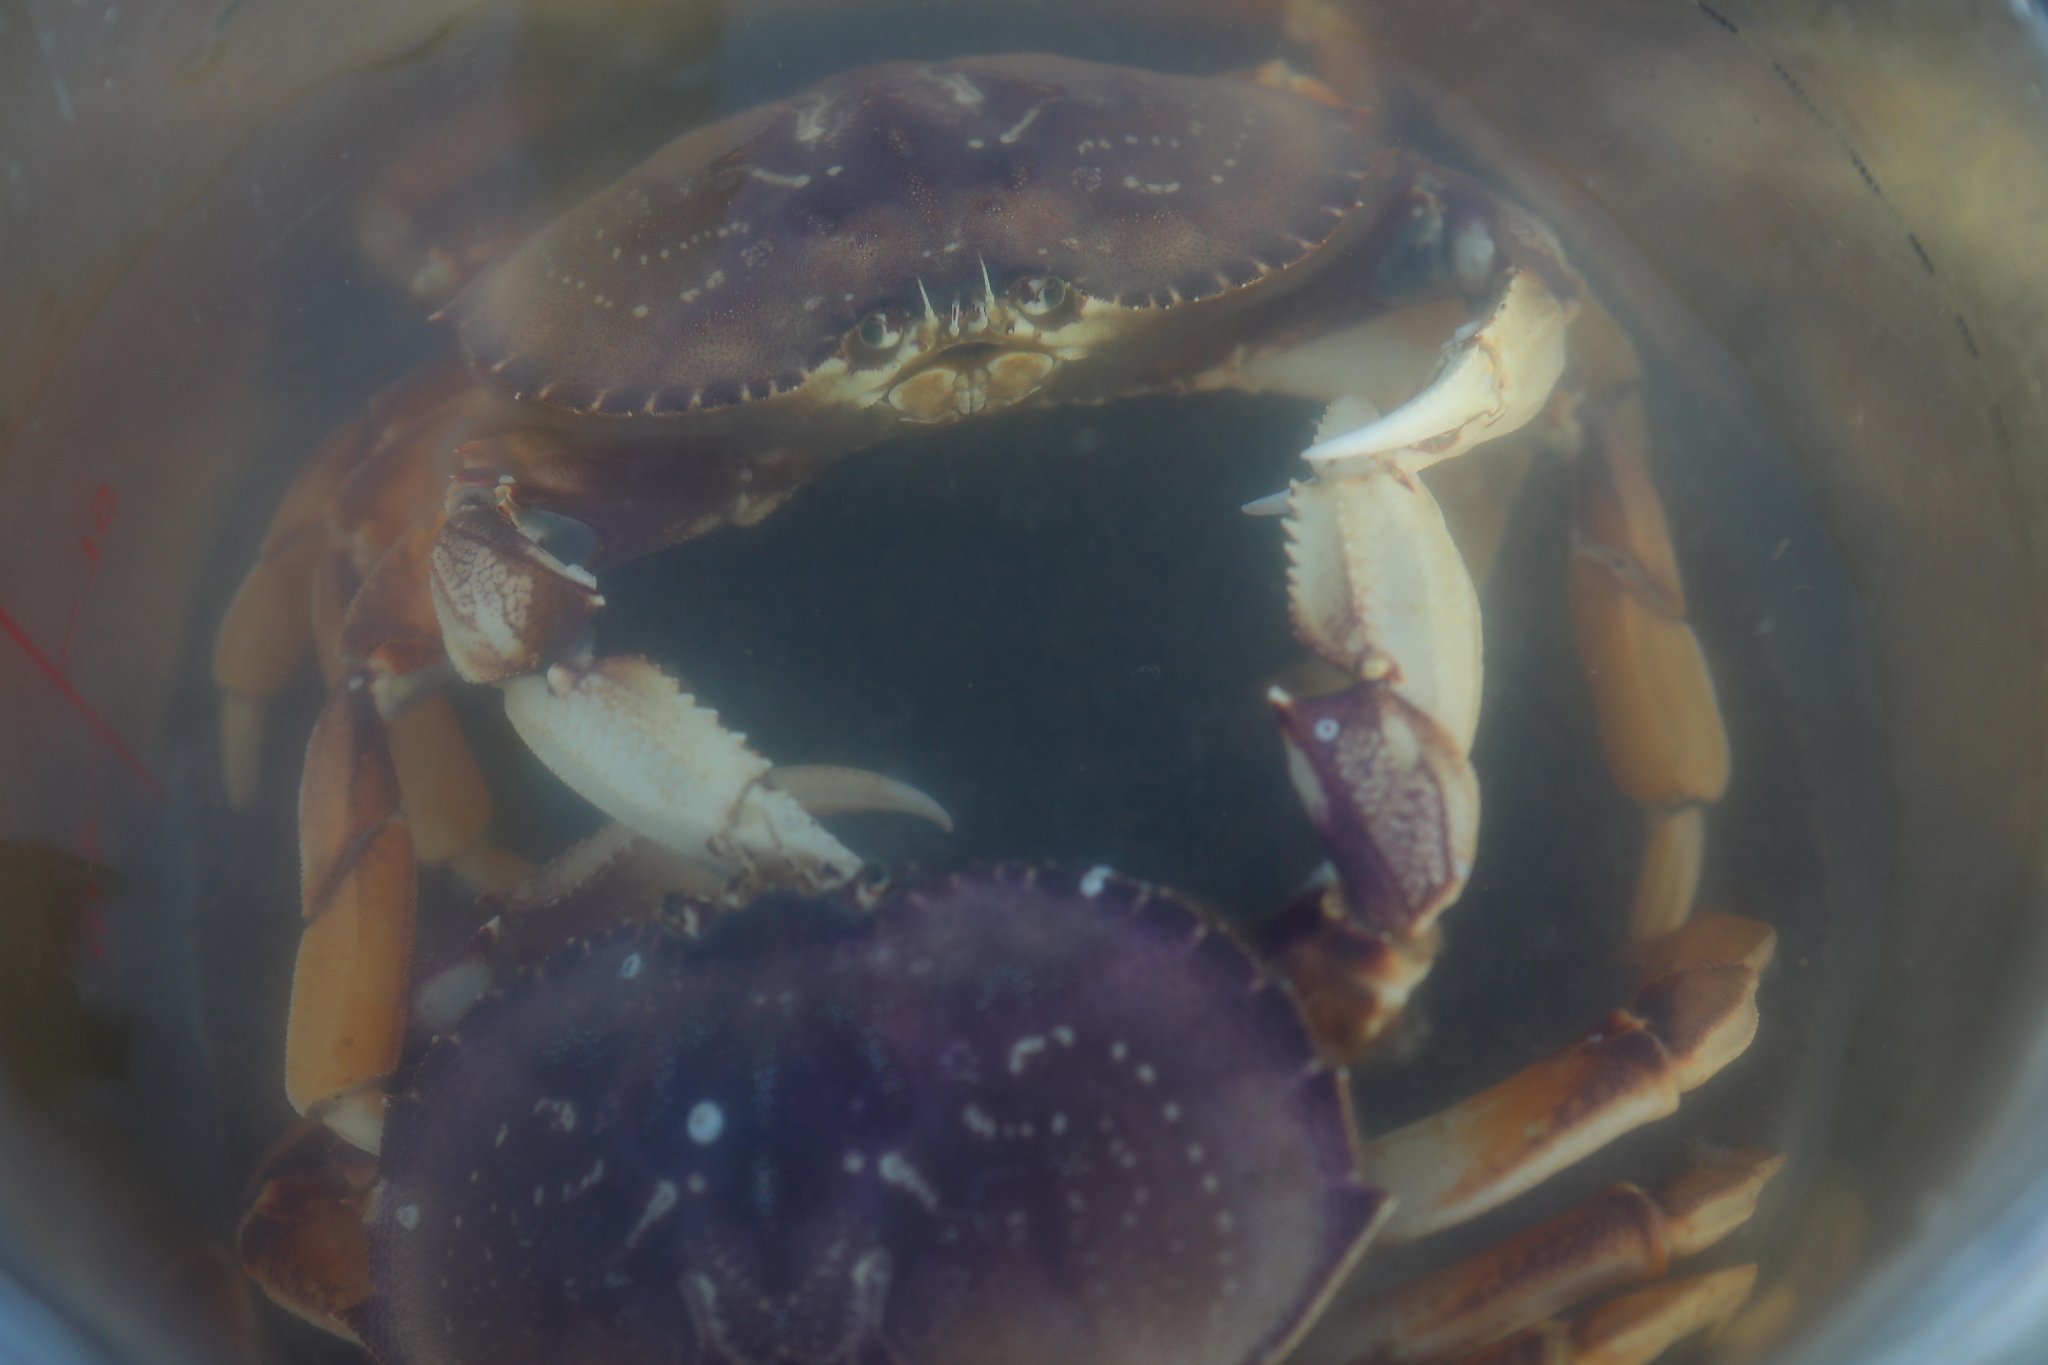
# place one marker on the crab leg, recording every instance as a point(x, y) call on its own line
point(359, 893)
point(1694, 1013)
point(269, 625)
point(1621, 1238)
point(1660, 725)
point(1633, 1329)
point(340, 514)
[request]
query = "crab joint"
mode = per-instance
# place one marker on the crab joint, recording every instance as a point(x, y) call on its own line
point(505, 604)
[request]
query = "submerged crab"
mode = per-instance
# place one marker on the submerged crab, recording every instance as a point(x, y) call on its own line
point(824, 1128)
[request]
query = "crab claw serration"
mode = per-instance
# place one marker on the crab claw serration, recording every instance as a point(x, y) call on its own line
point(637, 747)
point(1378, 588)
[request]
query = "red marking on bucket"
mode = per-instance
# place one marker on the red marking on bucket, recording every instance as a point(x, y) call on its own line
point(95, 722)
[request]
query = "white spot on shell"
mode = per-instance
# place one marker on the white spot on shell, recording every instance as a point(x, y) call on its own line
point(1016, 130)
point(978, 1122)
point(705, 1123)
point(639, 310)
point(630, 968)
point(658, 1207)
point(582, 1183)
point(1327, 729)
point(1092, 884)
point(782, 178)
point(810, 120)
point(1021, 1051)
point(896, 1171)
point(408, 1216)
point(963, 90)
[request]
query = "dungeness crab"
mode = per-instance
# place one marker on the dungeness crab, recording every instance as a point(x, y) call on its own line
point(760, 1106)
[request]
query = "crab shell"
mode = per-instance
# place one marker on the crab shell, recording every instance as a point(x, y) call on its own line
point(1008, 1116)
point(730, 274)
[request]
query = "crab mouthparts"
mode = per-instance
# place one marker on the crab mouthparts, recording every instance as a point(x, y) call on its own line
point(968, 379)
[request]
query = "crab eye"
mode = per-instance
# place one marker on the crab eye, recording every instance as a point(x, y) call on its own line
point(1041, 296)
point(875, 336)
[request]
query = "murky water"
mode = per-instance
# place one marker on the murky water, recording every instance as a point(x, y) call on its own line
point(1061, 625)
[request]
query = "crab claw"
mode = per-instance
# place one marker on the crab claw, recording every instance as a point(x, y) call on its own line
point(1378, 589)
point(1494, 376)
point(624, 735)
point(1392, 796)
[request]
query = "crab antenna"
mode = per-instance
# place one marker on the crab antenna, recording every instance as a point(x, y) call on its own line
point(931, 314)
point(987, 287)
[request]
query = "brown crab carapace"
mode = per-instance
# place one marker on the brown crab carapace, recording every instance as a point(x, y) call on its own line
point(790, 1114)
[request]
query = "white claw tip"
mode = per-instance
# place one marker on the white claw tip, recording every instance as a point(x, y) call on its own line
point(1272, 505)
point(823, 790)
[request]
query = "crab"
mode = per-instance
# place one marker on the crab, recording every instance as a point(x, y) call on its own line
point(755, 1104)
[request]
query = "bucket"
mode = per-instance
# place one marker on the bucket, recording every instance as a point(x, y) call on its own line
point(1817, 226)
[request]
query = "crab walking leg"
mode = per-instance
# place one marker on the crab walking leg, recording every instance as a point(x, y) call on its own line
point(359, 892)
point(269, 625)
point(1660, 725)
point(1694, 1014)
point(1621, 1238)
point(354, 496)
point(302, 1238)
point(1633, 1329)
